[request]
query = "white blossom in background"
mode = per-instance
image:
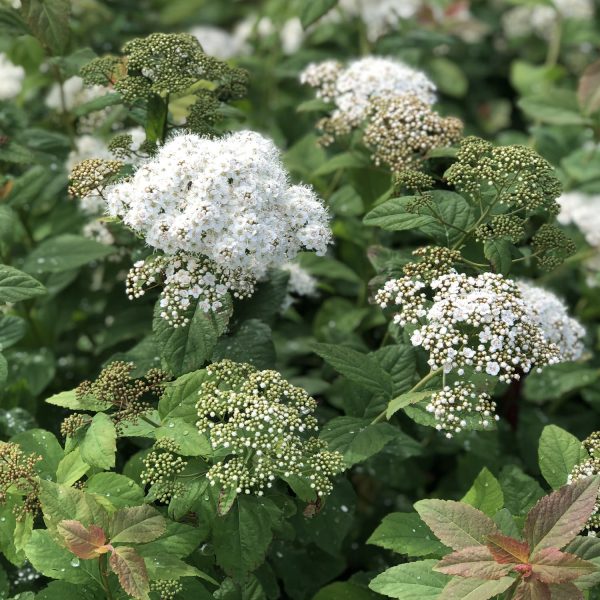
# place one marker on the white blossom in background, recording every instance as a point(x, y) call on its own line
point(291, 33)
point(11, 78)
point(292, 36)
point(223, 211)
point(96, 230)
point(351, 89)
point(480, 323)
point(220, 43)
point(75, 94)
point(300, 284)
point(551, 315)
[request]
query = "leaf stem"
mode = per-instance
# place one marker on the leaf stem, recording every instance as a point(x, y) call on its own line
point(103, 567)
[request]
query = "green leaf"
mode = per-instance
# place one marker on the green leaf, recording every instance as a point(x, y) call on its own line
point(344, 590)
point(41, 443)
point(357, 367)
point(558, 380)
point(63, 253)
point(456, 524)
point(453, 216)
point(12, 329)
point(137, 525)
point(251, 343)
point(97, 104)
point(131, 571)
point(119, 490)
point(190, 441)
point(71, 468)
point(521, 492)
point(156, 119)
point(499, 253)
point(345, 160)
point(179, 540)
point(357, 439)
point(3, 370)
point(556, 519)
point(554, 106)
point(312, 11)
point(448, 76)
point(70, 400)
point(49, 22)
point(467, 588)
point(52, 560)
point(559, 451)
point(485, 494)
point(392, 216)
point(313, 105)
point(406, 533)
point(411, 581)
point(180, 396)
point(16, 285)
point(11, 23)
point(406, 400)
point(588, 548)
point(242, 536)
point(187, 348)
point(99, 445)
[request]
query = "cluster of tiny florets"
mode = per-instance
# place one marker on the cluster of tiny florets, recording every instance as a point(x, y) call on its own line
point(519, 177)
point(18, 474)
point(166, 589)
point(552, 316)
point(162, 466)
point(116, 387)
point(453, 405)
point(479, 323)
point(590, 467)
point(224, 204)
point(434, 262)
point(402, 129)
point(91, 176)
point(351, 89)
point(551, 246)
point(508, 227)
point(412, 180)
point(73, 423)
point(265, 425)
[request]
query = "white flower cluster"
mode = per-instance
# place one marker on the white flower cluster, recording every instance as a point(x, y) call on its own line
point(75, 93)
point(453, 405)
point(227, 201)
point(263, 427)
point(11, 77)
point(220, 43)
point(301, 283)
point(479, 323)
point(352, 88)
point(551, 315)
point(541, 19)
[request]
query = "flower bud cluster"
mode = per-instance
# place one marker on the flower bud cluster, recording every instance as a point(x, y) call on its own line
point(352, 88)
point(551, 246)
point(480, 323)
point(167, 589)
point(590, 467)
point(412, 180)
point(552, 316)
point(435, 261)
point(518, 176)
point(162, 466)
point(91, 176)
point(402, 129)
point(223, 206)
point(502, 226)
point(453, 405)
point(18, 474)
point(73, 423)
point(266, 426)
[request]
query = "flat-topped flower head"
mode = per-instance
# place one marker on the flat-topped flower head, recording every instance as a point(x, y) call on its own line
point(551, 314)
point(226, 206)
point(352, 88)
point(478, 323)
point(264, 429)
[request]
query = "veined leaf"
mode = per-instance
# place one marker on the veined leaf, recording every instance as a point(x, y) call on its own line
point(392, 215)
point(16, 285)
point(314, 10)
point(476, 561)
point(49, 22)
point(507, 550)
point(457, 525)
point(411, 581)
point(553, 566)
point(559, 451)
point(406, 400)
point(130, 568)
point(137, 525)
point(467, 588)
point(84, 542)
point(485, 494)
point(99, 446)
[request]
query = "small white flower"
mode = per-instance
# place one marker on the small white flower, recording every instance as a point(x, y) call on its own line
point(11, 78)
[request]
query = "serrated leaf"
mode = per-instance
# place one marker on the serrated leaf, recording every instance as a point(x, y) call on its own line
point(84, 542)
point(357, 367)
point(532, 589)
point(566, 591)
point(550, 565)
point(556, 519)
point(130, 568)
point(393, 216)
point(411, 581)
point(406, 533)
point(99, 445)
point(118, 490)
point(16, 285)
point(507, 550)
point(559, 451)
point(406, 400)
point(180, 396)
point(70, 399)
point(314, 10)
point(357, 439)
point(137, 525)
point(476, 561)
point(64, 253)
point(485, 494)
point(12, 329)
point(49, 22)
point(499, 253)
point(71, 468)
point(588, 548)
point(588, 90)
point(461, 588)
point(457, 525)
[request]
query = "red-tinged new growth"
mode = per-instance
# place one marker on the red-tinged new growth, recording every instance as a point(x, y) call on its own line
point(540, 569)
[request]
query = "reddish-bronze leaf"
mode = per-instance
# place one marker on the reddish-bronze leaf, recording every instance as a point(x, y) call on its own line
point(84, 542)
point(532, 589)
point(556, 519)
point(553, 566)
point(131, 571)
point(476, 561)
point(566, 591)
point(588, 92)
point(507, 550)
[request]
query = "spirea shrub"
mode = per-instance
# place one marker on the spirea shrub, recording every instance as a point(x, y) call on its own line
point(299, 300)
